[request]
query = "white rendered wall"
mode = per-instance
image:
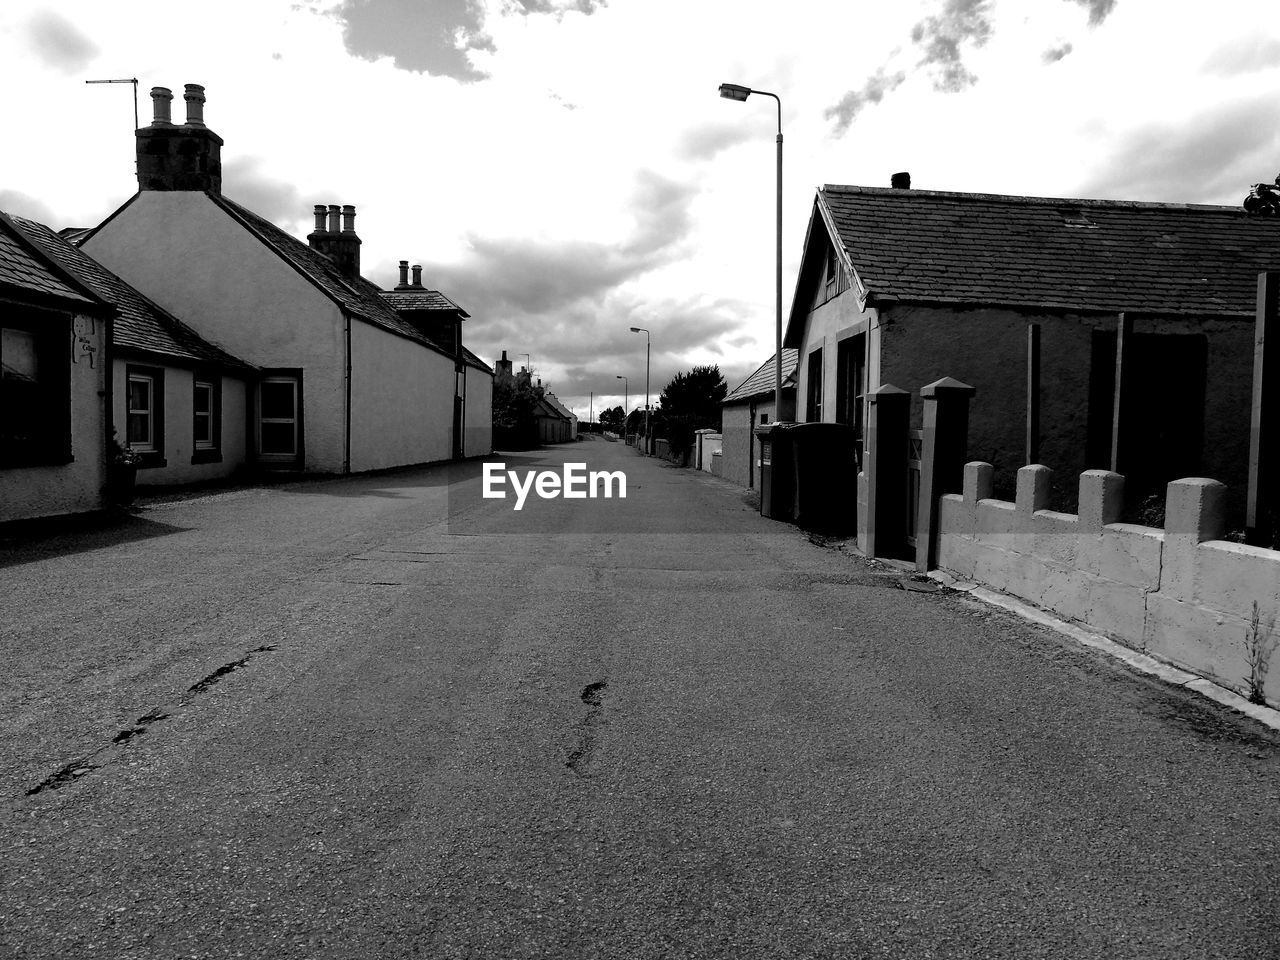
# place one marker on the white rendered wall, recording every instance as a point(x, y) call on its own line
point(477, 435)
point(401, 401)
point(191, 257)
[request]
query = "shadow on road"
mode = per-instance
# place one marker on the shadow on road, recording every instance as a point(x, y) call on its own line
point(31, 541)
point(394, 483)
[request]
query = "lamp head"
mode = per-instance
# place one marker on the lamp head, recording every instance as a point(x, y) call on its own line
point(734, 91)
point(636, 330)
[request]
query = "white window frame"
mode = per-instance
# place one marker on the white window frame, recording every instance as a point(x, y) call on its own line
point(209, 416)
point(149, 411)
point(294, 382)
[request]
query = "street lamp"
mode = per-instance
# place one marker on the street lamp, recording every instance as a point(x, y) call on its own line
point(626, 399)
point(735, 91)
point(647, 341)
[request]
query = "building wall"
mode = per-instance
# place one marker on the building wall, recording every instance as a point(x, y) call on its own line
point(188, 255)
point(75, 487)
point(401, 401)
point(477, 437)
point(828, 323)
point(179, 446)
point(736, 447)
point(986, 348)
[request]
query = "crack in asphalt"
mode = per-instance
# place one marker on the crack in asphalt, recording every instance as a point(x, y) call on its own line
point(580, 758)
point(76, 769)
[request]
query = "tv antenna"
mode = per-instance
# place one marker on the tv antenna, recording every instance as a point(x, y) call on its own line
point(134, 81)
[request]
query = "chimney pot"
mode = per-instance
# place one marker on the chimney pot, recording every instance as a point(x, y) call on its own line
point(348, 218)
point(161, 115)
point(319, 212)
point(334, 213)
point(194, 96)
point(417, 275)
point(900, 181)
point(404, 275)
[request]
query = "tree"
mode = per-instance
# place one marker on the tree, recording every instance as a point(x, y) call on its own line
point(514, 400)
point(612, 419)
point(689, 402)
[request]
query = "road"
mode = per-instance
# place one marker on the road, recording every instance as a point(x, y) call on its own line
point(386, 717)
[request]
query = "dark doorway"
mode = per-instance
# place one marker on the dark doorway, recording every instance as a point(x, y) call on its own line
point(1164, 435)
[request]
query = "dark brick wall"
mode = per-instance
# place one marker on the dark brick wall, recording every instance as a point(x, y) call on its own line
point(179, 158)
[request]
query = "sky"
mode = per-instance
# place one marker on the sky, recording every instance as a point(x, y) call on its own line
point(565, 169)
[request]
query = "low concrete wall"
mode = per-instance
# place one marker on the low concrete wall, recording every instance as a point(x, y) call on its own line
point(1180, 594)
point(706, 444)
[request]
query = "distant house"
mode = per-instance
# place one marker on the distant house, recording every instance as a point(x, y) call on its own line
point(54, 384)
point(345, 383)
point(556, 423)
point(440, 320)
point(746, 407)
point(905, 286)
point(179, 402)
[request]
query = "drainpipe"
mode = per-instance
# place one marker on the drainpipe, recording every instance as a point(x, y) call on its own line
point(346, 432)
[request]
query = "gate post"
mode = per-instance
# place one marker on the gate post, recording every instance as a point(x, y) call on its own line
point(1262, 511)
point(886, 468)
point(946, 439)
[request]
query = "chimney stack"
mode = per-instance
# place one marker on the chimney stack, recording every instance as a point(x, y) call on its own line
point(194, 95)
point(335, 237)
point(900, 181)
point(417, 277)
point(188, 157)
point(161, 107)
point(503, 365)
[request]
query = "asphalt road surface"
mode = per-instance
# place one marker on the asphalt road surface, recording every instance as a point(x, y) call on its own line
point(385, 717)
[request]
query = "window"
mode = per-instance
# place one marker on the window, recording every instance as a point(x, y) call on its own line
point(764, 418)
point(832, 272)
point(280, 418)
point(206, 420)
point(144, 414)
point(851, 381)
point(813, 409)
point(35, 394)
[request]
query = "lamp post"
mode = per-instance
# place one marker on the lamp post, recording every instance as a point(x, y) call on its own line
point(647, 440)
point(626, 399)
point(734, 91)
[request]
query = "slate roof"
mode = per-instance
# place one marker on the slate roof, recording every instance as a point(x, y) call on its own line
point(760, 383)
point(421, 300)
point(475, 361)
point(139, 324)
point(360, 297)
point(26, 269)
point(552, 401)
point(1088, 255)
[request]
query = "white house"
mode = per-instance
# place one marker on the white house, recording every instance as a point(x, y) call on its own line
point(345, 384)
point(179, 402)
point(53, 385)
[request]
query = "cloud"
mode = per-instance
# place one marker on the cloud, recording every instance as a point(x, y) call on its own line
point(706, 140)
point(433, 37)
point(59, 43)
point(1214, 157)
point(1054, 54)
point(1247, 55)
point(277, 200)
point(1099, 10)
point(21, 205)
point(940, 37)
point(438, 36)
point(852, 103)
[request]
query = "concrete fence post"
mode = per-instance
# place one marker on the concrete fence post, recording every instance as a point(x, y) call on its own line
point(1033, 490)
point(946, 439)
point(1194, 511)
point(1101, 499)
point(885, 465)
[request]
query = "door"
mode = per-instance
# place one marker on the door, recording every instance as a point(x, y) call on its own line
point(279, 433)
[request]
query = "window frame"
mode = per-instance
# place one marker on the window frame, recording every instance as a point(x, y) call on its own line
point(151, 451)
point(814, 387)
point(210, 450)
